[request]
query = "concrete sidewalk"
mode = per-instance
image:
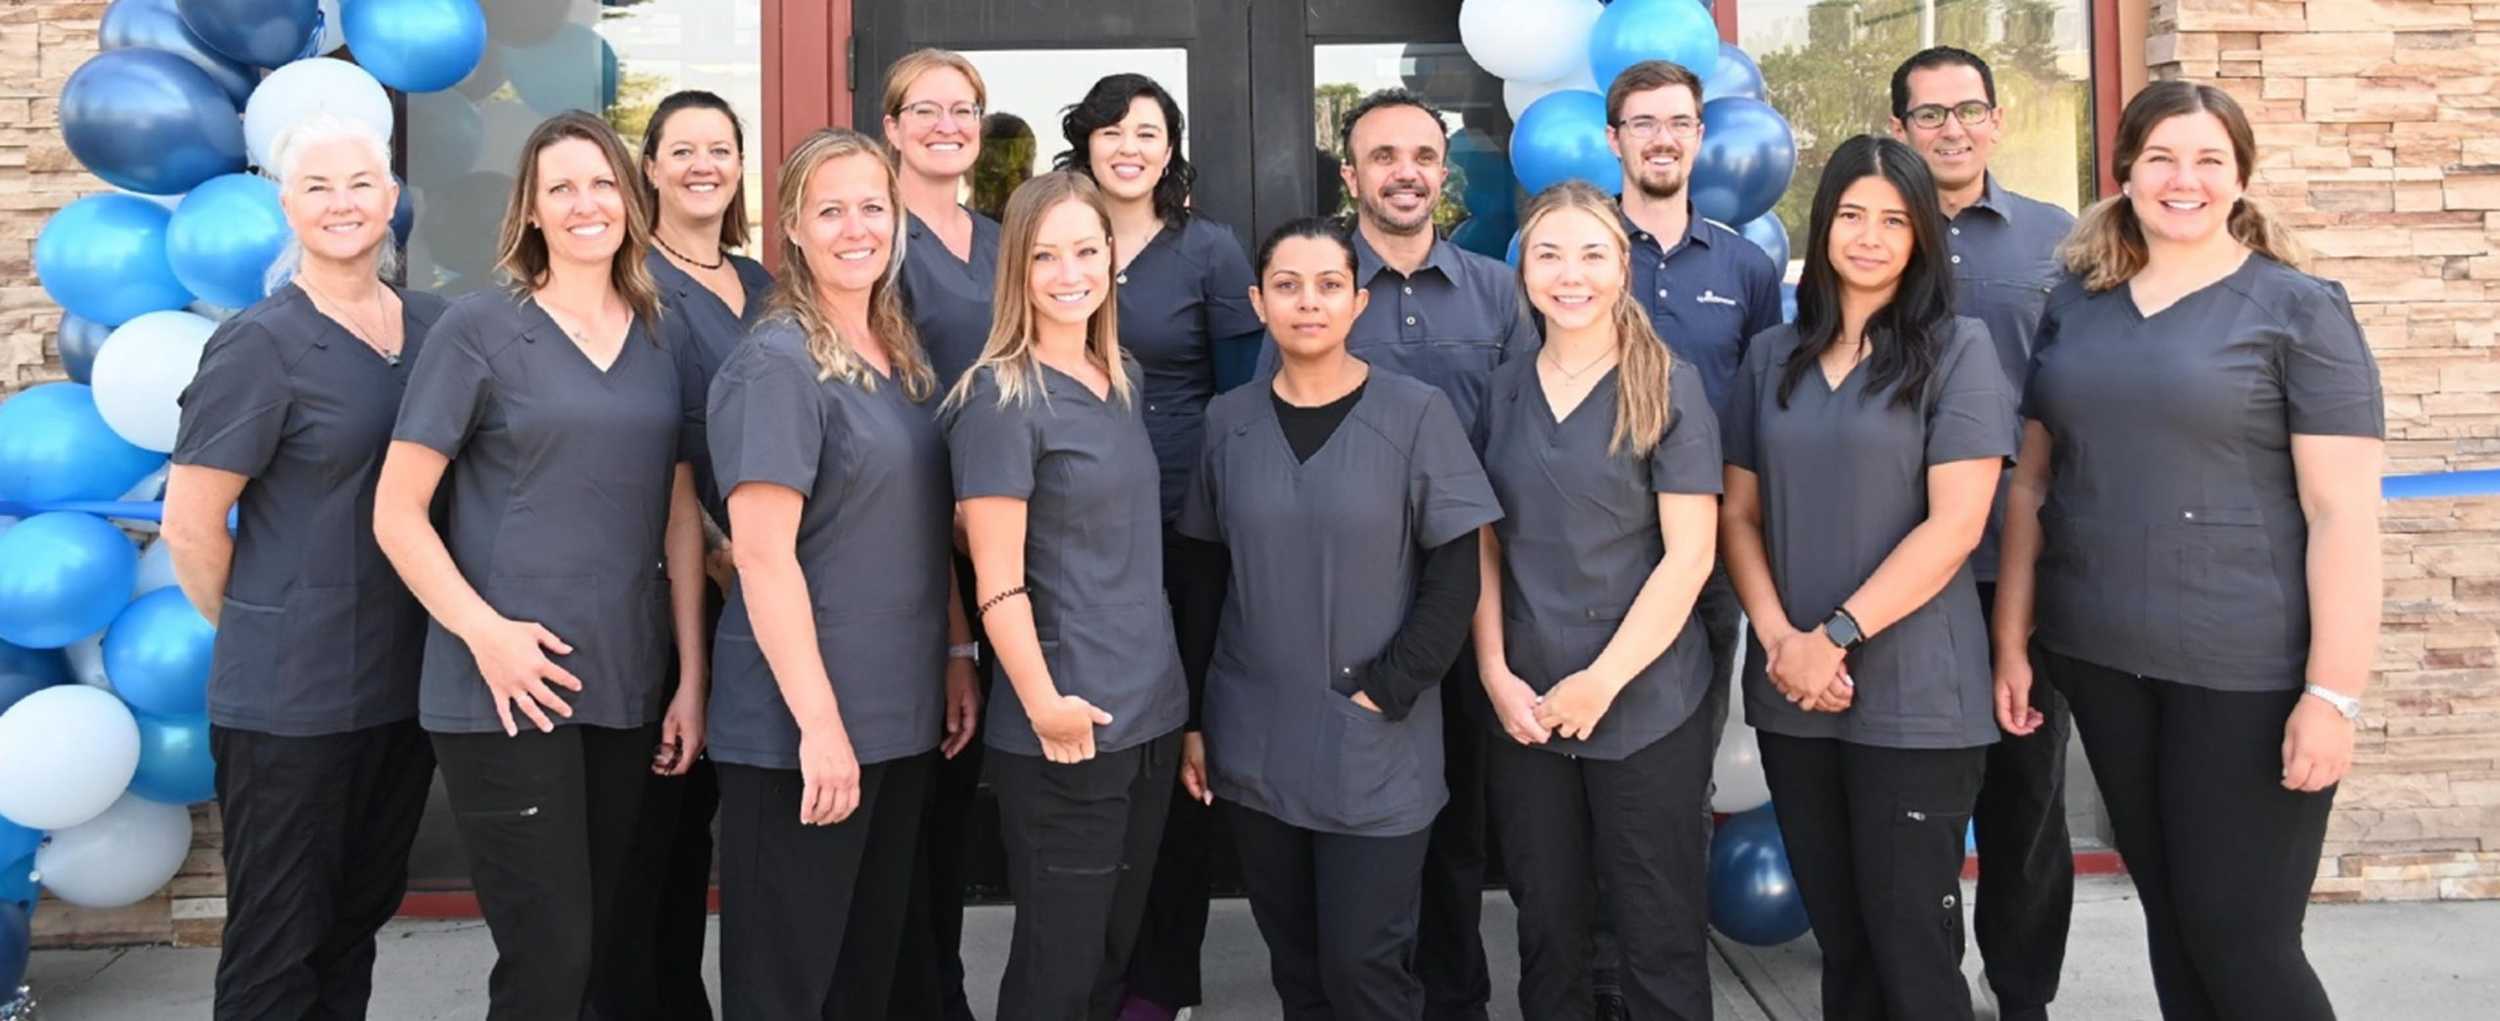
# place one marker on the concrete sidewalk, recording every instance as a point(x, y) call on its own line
point(2396, 962)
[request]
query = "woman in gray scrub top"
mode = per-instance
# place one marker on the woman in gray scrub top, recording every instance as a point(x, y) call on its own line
point(312, 693)
point(2194, 530)
point(1346, 500)
point(1605, 455)
point(560, 424)
point(1055, 481)
point(1863, 446)
point(828, 686)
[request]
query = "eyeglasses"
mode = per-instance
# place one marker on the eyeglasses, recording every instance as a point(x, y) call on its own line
point(1968, 111)
point(1644, 128)
point(925, 113)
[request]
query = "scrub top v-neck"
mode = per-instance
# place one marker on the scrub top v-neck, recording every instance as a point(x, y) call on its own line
point(698, 329)
point(2174, 541)
point(874, 536)
point(949, 298)
point(1093, 549)
point(560, 477)
point(1843, 476)
point(1324, 559)
point(1580, 538)
point(318, 635)
point(1184, 307)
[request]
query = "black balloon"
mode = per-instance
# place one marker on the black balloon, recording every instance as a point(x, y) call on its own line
point(149, 121)
point(263, 33)
point(157, 25)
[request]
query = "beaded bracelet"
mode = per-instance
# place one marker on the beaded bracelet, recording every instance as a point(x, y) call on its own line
point(992, 601)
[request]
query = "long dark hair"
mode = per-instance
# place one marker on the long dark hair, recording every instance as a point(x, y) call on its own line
point(1907, 335)
point(733, 223)
point(1105, 105)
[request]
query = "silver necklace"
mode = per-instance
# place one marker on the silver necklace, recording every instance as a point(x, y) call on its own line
point(348, 321)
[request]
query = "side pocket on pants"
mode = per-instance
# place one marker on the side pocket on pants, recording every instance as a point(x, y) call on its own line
point(1927, 852)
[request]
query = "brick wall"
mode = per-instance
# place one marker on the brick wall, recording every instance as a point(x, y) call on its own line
point(40, 44)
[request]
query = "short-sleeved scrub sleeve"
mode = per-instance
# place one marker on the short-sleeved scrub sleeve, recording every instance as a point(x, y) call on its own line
point(1448, 495)
point(234, 411)
point(766, 421)
point(2330, 379)
point(1687, 457)
point(1737, 429)
point(1199, 518)
point(446, 402)
point(993, 447)
point(1973, 415)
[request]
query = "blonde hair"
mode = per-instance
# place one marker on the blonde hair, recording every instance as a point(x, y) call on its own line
point(522, 255)
point(795, 297)
point(2107, 246)
point(318, 129)
point(904, 72)
point(1009, 351)
point(1643, 363)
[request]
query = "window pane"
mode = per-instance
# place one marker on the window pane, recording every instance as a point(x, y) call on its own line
point(1028, 92)
point(1479, 185)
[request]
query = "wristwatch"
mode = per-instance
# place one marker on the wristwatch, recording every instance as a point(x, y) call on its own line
point(2343, 703)
point(968, 650)
point(1843, 629)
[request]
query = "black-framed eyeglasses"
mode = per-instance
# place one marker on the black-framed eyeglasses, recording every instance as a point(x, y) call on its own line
point(1644, 128)
point(1968, 111)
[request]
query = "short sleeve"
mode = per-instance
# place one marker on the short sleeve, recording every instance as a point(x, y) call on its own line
point(1521, 338)
point(993, 447)
point(2062, 297)
point(1233, 328)
point(1447, 493)
point(2330, 379)
point(234, 412)
point(449, 389)
point(693, 391)
point(1202, 499)
point(1973, 414)
point(1686, 459)
point(1736, 431)
point(767, 422)
point(1762, 294)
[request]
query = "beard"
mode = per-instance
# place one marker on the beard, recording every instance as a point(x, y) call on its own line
point(1376, 208)
point(1661, 184)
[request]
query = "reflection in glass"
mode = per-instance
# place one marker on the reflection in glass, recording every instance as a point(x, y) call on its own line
point(1029, 89)
point(1478, 208)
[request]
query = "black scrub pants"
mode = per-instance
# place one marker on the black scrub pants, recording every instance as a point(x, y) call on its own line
point(2026, 857)
point(317, 831)
point(1568, 825)
point(548, 822)
point(1164, 969)
point(661, 920)
point(1081, 841)
point(2222, 856)
point(1875, 839)
point(1338, 913)
point(812, 917)
point(1449, 940)
point(929, 979)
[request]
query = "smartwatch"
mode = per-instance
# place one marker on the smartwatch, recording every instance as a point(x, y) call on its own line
point(1843, 630)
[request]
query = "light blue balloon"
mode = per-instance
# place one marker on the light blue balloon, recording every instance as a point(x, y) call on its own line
point(1767, 232)
point(156, 25)
point(157, 653)
point(1747, 156)
point(416, 45)
point(175, 766)
point(63, 576)
point(573, 69)
point(23, 672)
point(1631, 31)
point(54, 445)
point(150, 121)
point(223, 237)
point(103, 258)
point(1734, 74)
point(1562, 137)
point(263, 33)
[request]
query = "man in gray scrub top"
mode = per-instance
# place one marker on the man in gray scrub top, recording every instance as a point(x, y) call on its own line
point(2004, 262)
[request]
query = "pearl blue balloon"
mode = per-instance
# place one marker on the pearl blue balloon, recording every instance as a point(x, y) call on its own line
point(416, 45)
point(1733, 74)
point(1771, 235)
point(555, 75)
point(175, 767)
point(16, 842)
point(17, 922)
point(54, 445)
point(150, 121)
point(223, 237)
point(103, 258)
point(1631, 31)
point(262, 33)
point(157, 653)
point(403, 216)
point(1753, 895)
point(63, 576)
point(156, 25)
point(1747, 156)
point(77, 341)
point(23, 672)
point(1562, 137)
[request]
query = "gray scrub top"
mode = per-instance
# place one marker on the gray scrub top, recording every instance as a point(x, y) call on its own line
point(1580, 538)
point(1185, 296)
point(1093, 549)
point(874, 538)
point(949, 298)
point(318, 636)
point(1843, 479)
point(697, 328)
point(560, 477)
point(1325, 554)
point(2004, 265)
point(2175, 546)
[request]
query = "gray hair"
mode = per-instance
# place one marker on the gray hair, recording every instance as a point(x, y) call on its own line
point(304, 134)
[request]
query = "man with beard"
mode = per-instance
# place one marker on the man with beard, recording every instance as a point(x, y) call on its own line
point(2004, 264)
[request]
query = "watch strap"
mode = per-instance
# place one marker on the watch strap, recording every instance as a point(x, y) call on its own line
point(2348, 705)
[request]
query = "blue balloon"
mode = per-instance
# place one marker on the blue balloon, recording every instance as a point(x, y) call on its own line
point(223, 237)
point(416, 45)
point(17, 882)
point(175, 766)
point(1485, 234)
point(16, 842)
point(403, 216)
point(156, 25)
point(63, 576)
point(103, 258)
point(1734, 74)
point(1747, 156)
point(1753, 895)
point(1788, 303)
point(1562, 137)
point(77, 341)
point(1631, 31)
point(24, 672)
point(157, 653)
point(555, 75)
point(150, 121)
point(1768, 232)
point(17, 921)
point(262, 33)
point(1484, 175)
point(1510, 254)
point(54, 445)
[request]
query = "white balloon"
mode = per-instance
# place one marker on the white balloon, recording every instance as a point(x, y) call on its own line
point(86, 662)
point(333, 31)
point(1516, 95)
point(1527, 40)
point(1736, 780)
point(147, 490)
point(141, 370)
point(156, 569)
point(307, 87)
point(65, 753)
point(119, 857)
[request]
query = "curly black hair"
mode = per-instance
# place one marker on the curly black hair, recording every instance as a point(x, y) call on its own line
point(1107, 104)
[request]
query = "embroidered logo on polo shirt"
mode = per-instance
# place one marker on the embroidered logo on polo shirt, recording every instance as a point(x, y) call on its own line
point(1710, 297)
